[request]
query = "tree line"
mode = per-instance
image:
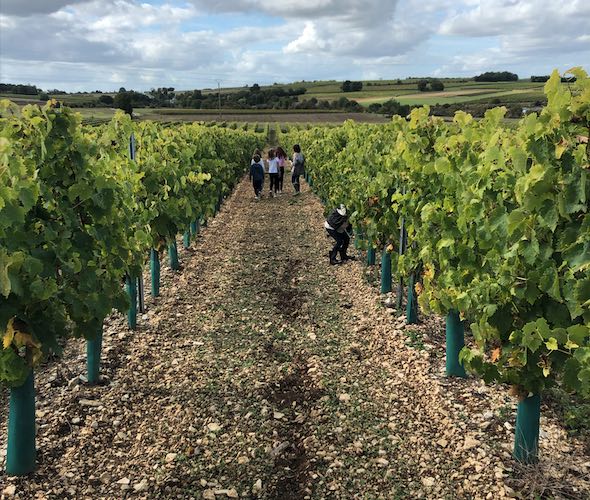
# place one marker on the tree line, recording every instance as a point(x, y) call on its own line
point(11, 88)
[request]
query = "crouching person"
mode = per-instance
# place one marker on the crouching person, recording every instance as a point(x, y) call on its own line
point(337, 226)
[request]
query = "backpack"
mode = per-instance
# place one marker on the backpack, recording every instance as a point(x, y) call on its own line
point(299, 166)
point(336, 220)
point(257, 172)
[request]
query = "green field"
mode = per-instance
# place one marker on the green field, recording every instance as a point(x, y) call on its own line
point(95, 116)
point(457, 91)
point(454, 92)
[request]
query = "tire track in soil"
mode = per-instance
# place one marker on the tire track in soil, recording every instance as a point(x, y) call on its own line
point(293, 466)
point(291, 477)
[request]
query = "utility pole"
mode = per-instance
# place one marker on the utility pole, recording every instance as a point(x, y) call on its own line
point(219, 97)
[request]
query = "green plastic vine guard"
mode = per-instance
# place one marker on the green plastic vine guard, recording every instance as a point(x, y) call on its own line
point(173, 255)
point(195, 227)
point(412, 304)
point(371, 256)
point(455, 341)
point(132, 292)
point(186, 239)
point(385, 271)
point(93, 350)
point(526, 437)
point(155, 272)
point(21, 453)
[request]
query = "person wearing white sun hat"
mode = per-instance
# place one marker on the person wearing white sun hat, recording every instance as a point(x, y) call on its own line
point(337, 226)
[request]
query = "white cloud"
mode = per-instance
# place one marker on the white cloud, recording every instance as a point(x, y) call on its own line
point(538, 34)
point(116, 78)
point(76, 44)
point(493, 18)
point(308, 41)
point(30, 7)
point(304, 9)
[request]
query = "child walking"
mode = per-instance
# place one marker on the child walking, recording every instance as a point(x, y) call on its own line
point(257, 175)
point(298, 167)
point(281, 157)
point(273, 172)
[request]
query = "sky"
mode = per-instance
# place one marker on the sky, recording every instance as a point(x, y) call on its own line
point(87, 45)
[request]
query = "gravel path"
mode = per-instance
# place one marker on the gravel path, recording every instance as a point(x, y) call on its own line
point(262, 372)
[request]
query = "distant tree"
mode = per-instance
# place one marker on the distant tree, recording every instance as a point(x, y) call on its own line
point(423, 85)
point(398, 82)
point(496, 76)
point(437, 85)
point(255, 88)
point(541, 79)
point(106, 99)
point(162, 96)
point(44, 96)
point(374, 108)
point(122, 89)
point(342, 103)
point(348, 86)
point(124, 100)
point(19, 89)
point(393, 107)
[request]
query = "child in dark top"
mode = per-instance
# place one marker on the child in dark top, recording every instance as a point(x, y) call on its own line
point(298, 167)
point(257, 175)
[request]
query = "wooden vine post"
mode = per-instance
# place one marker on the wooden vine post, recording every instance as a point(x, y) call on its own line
point(412, 304)
point(385, 271)
point(132, 292)
point(140, 288)
point(402, 249)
